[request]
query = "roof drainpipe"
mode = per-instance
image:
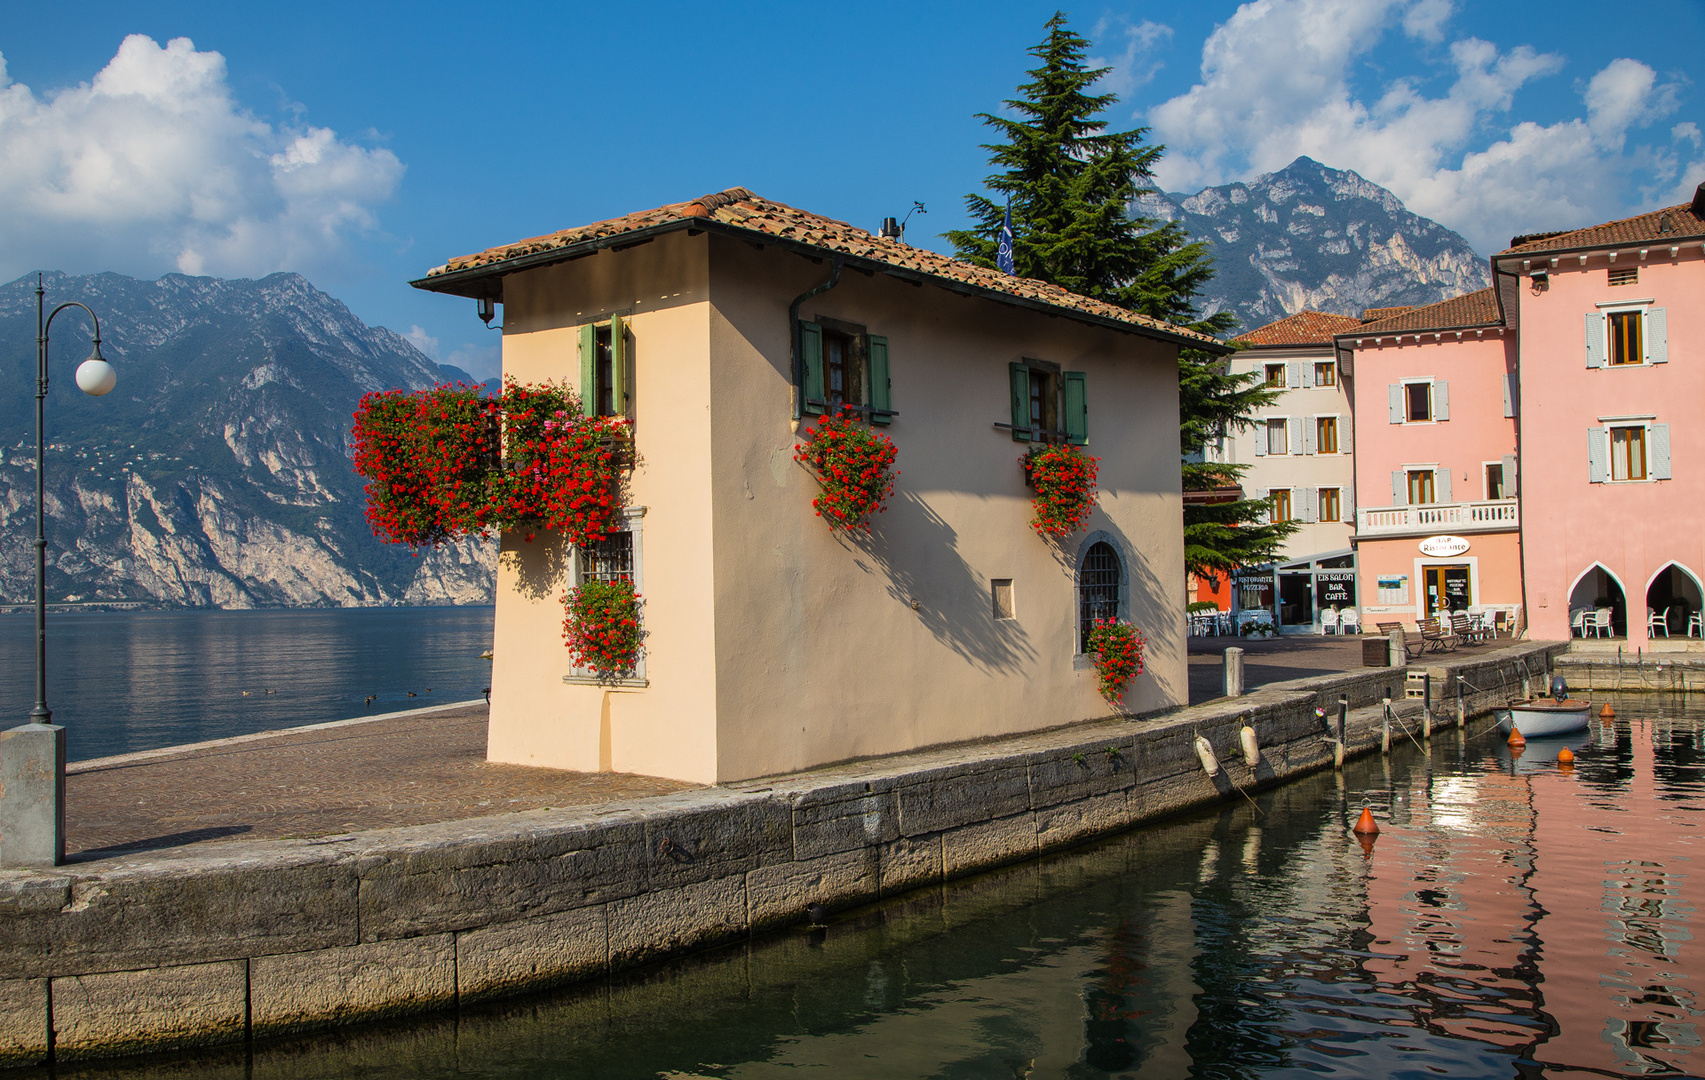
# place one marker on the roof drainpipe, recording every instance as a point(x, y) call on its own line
point(793, 336)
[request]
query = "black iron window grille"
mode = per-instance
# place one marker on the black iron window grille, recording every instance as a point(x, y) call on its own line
point(609, 559)
point(1097, 589)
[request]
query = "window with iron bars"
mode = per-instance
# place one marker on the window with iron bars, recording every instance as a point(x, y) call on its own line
point(1097, 589)
point(609, 559)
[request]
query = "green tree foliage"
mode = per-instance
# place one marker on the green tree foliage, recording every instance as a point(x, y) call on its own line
point(1073, 186)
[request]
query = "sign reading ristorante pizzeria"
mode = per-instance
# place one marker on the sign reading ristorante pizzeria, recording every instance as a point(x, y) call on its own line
point(1443, 547)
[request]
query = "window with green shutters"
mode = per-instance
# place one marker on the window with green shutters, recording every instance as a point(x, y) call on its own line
point(1048, 405)
point(606, 369)
point(842, 367)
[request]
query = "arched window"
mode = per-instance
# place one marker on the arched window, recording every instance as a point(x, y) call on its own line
point(1097, 589)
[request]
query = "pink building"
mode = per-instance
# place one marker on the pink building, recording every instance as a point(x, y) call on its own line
point(1437, 524)
point(1611, 319)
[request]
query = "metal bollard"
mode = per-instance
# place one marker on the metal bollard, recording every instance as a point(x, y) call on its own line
point(1234, 672)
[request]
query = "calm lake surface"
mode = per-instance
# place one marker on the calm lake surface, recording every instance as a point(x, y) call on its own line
point(1514, 919)
point(136, 680)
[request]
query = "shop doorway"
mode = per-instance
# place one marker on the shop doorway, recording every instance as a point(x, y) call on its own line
point(1296, 598)
point(1446, 590)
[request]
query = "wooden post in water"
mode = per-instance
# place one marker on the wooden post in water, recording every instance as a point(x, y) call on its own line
point(1385, 729)
point(1338, 740)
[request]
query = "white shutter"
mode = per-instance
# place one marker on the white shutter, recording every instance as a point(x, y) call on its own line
point(1305, 374)
point(1595, 340)
point(1399, 488)
point(1660, 451)
point(1347, 504)
point(1441, 400)
point(1293, 445)
point(1262, 495)
point(1310, 504)
point(1344, 423)
point(1509, 394)
point(1261, 439)
point(1441, 485)
point(1657, 335)
point(1395, 392)
point(1293, 374)
point(1510, 486)
point(1310, 435)
point(1598, 454)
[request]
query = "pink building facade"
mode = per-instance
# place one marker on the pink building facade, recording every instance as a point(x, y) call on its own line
point(1437, 523)
point(1612, 383)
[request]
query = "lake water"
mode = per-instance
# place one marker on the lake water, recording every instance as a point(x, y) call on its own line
point(124, 681)
point(1514, 919)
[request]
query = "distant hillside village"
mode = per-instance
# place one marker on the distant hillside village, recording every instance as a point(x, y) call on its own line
point(1510, 454)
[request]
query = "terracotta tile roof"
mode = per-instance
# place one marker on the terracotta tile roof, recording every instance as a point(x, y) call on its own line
point(1669, 225)
point(738, 209)
point(1375, 314)
point(1470, 309)
point(1303, 328)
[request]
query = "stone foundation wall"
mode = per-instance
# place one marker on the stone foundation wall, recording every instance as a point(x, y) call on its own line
point(249, 940)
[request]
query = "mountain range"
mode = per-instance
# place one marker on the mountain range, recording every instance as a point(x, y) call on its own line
point(217, 472)
point(1311, 237)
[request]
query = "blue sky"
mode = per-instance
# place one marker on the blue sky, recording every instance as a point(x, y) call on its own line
point(362, 144)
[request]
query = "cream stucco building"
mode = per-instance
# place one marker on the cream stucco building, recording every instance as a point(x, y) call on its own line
point(774, 643)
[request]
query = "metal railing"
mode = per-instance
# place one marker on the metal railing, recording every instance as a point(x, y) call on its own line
point(1497, 515)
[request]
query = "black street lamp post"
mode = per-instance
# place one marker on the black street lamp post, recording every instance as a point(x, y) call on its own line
point(32, 757)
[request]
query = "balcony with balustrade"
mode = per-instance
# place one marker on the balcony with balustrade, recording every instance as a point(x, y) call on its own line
point(1496, 515)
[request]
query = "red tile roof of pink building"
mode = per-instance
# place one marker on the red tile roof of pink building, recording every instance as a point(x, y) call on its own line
point(1458, 313)
point(1303, 328)
point(740, 211)
point(1670, 225)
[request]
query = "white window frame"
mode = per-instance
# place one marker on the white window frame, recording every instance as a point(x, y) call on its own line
point(1432, 403)
point(1282, 384)
point(1284, 423)
point(1607, 308)
point(1290, 498)
point(1339, 417)
point(1331, 364)
point(1433, 467)
point(633, 518)
point(1610, 426)
point(1319, 503)
point(1485, 490)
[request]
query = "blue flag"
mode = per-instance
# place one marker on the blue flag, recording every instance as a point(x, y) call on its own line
point(1003, 253)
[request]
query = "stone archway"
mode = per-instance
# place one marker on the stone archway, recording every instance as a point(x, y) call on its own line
point(1598, 588)
point(1675, 590)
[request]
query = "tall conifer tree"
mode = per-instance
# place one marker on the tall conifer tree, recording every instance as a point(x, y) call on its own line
point(1073, 187)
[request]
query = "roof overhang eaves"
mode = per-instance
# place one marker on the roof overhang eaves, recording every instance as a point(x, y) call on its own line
point(486, 280)
point(1588, 249)
point(1341, 339)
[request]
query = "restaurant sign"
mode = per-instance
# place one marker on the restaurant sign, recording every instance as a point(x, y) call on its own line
point(1443, 547)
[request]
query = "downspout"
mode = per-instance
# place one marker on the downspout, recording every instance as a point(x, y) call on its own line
point(793, 335)
point(1516, 407)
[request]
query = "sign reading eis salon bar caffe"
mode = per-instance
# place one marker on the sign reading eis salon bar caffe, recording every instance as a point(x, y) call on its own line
point(1443, 547)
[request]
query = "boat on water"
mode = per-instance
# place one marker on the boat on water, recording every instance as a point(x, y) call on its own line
point(1548, 716)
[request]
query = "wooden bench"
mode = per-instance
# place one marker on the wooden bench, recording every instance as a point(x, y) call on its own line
point(1437, 636)
point(1410, 651)
point(1464, 629)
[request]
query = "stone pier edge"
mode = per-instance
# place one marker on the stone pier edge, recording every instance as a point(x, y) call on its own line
point(249, 940)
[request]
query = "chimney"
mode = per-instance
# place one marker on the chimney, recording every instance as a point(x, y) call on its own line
point(1698, 206)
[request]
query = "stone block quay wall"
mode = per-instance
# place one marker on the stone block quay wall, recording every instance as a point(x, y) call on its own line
point(252, 940)
point(1633, 672)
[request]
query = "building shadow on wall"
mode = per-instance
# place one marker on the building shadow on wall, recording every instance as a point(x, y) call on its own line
point(925, 573)
point(540, 567)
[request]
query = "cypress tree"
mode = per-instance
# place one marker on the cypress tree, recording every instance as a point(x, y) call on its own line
point(1074, 188)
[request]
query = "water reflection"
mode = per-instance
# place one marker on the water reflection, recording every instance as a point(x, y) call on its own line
point(1514, 918)
point(122, 681)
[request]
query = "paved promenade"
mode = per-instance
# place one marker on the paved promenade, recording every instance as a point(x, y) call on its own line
point(411, 769)
point(1277, 659)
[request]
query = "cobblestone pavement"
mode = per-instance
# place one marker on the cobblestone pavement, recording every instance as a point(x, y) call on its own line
point(1277, 659)
point(410, 770)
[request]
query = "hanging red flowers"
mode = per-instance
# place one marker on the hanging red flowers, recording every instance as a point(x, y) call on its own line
point(1118, 650)
point(1064, 479)
point(602, 626)
point(448, 462)
point(854, 467)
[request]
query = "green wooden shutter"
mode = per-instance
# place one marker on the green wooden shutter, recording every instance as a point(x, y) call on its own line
point(1077, 408)
point(880, 396)
point(618, 367)
point(811, 368)
point(589, 370)
point(1020, 401)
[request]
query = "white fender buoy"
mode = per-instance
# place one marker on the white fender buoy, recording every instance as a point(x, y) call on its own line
point(1205, 751)
point(1251, 748)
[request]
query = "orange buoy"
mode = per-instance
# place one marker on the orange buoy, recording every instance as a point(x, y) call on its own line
point(1516, 739)
point(1565, 756)
point(1607, 712)
point(1367, 841)
point(1365, 825)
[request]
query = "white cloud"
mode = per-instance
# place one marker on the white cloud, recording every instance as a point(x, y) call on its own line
point(154, 166)
point(480, 361)
point(1276, 82)
point(423, 341)
point(1133, 66)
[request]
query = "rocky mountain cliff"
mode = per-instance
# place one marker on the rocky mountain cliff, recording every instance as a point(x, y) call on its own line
point(1310, 237)
point(217, 473)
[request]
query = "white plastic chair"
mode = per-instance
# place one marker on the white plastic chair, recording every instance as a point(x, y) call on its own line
point(1349, 622)
point(1657, 620)
point(1578, 622)
point(1696, 624)
point(1329, 621)
point(1600, 624)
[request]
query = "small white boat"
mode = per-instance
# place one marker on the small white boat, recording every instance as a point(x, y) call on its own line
point(1547, 716)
